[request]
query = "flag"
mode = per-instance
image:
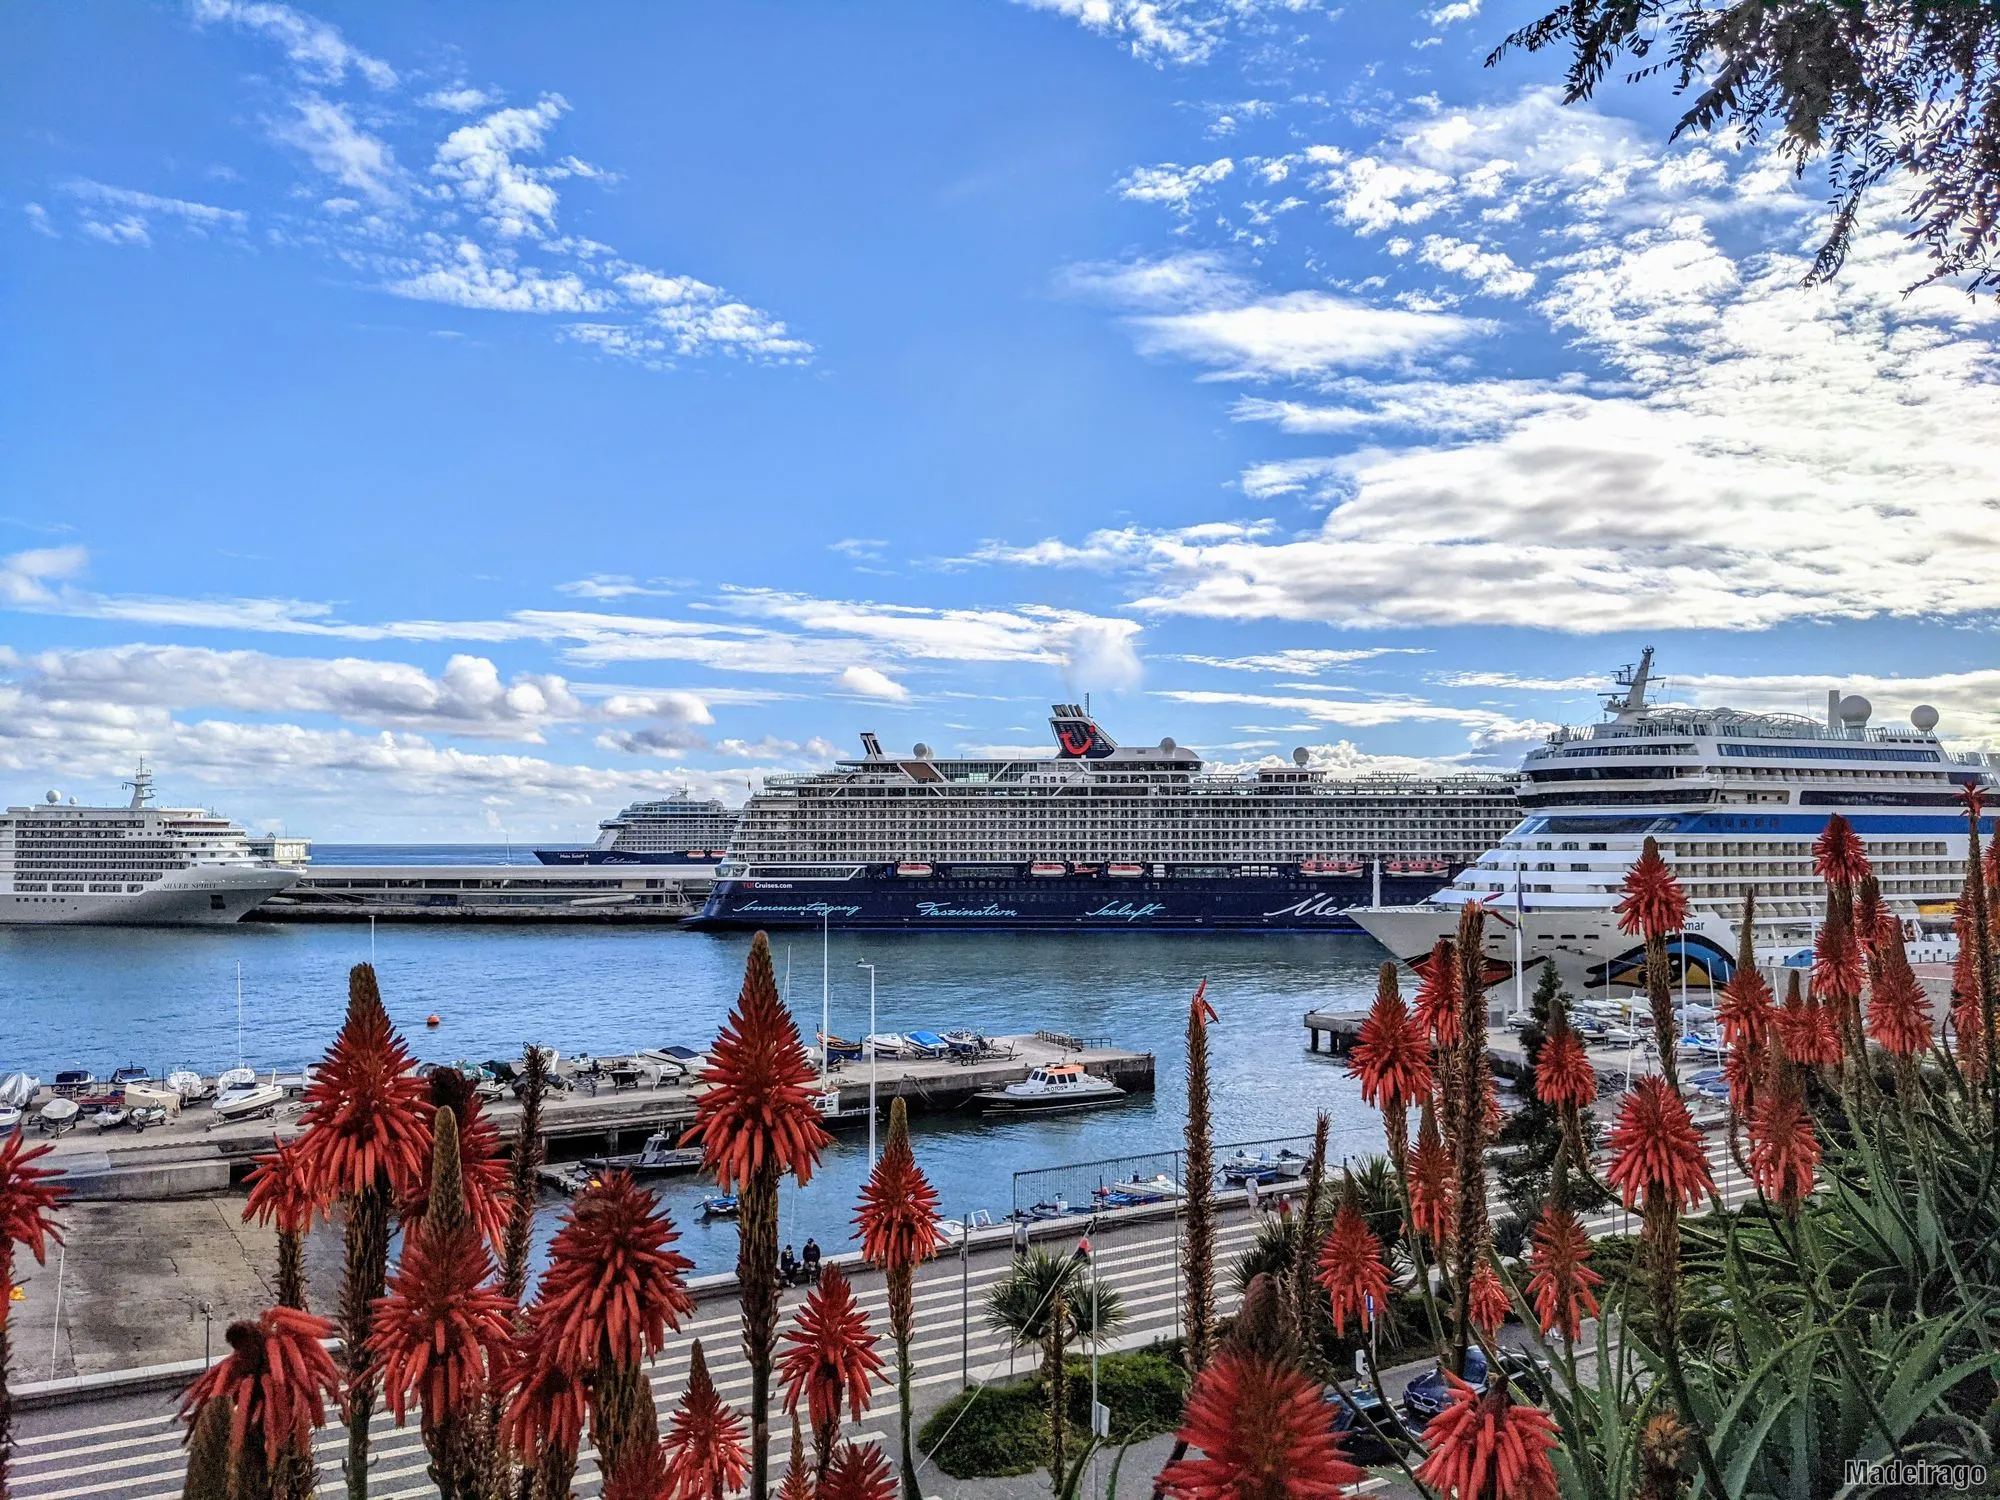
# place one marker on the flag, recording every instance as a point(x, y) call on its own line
point(1201, 1003)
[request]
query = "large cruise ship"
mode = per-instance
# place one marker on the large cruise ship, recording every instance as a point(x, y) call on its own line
point(678, 830)
point(1735, 801)
point(131, 865)
point(1097, 836)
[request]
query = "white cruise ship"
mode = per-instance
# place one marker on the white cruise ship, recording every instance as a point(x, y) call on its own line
point(677, 830)
point(1735, 801)
point(1097, 836)
point(133, 865)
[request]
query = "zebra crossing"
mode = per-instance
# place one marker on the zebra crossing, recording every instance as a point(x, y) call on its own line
point(141, 1458)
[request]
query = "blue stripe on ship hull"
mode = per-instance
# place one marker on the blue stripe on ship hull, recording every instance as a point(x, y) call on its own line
point(1059, 904)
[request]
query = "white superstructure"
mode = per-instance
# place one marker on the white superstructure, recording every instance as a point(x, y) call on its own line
point(133, 865)
point(1735, 801)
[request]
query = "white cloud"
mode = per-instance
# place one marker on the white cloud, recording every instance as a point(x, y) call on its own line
point(316, 49)
point(354, 157)
point(613, 586)
point(477, 163)
point(1174, 186)
point(468, 277)
point(1365, 712)
point(25, 576)
point(1493, 270)
point(468, 698)
point(1302, 333)
point(124, 216)
point(1968, 703)
point(1191, 279)
point(38, 220)
point(1300, 661)
point(867, 682)
point(1159, 30)
point(461, 100)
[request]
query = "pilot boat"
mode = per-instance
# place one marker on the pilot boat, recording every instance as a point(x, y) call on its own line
point(1049, 1089)
point(658, 1157)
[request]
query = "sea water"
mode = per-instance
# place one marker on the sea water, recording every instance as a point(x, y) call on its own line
point(166, 998)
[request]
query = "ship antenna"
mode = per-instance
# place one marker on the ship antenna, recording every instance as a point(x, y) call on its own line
point(141, 784)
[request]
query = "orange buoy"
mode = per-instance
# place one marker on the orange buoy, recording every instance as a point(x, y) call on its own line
point(432, 1019)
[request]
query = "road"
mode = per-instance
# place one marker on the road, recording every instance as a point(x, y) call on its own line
point(129, 1448)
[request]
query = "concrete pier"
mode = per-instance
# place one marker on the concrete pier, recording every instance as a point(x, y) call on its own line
point(196, 1154)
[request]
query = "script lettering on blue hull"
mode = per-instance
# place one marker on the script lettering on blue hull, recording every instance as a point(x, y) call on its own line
point(1317, 905)
point(945, 909)
point(806, 908)
point(1126, 911)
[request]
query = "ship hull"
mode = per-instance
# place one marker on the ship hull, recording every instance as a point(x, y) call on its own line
point(703, 861)
point(1071, 903)
point(189, 898)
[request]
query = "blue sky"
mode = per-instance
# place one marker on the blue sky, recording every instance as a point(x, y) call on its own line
point(426, 421)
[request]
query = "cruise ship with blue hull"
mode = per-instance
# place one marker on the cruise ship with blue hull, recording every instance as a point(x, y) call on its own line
point(1095, 838)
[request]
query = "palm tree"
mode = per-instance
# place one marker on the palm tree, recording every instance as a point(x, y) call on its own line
point(28, 1199)
point(1048, 1302)
point(442, 1331)
point(365, 1142)
point(756, 1123)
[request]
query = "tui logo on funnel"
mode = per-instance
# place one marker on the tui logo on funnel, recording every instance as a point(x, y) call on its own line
point(1077, 734)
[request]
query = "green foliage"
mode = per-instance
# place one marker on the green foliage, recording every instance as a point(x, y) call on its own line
point(1525, 1155)
point(1021, 1306)
point(997, 1430)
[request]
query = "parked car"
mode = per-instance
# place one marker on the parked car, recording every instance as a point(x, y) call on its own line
point(1430, 1393)
point(1370, 1431)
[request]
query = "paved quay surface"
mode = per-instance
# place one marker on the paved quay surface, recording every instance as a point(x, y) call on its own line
point(129, 1447)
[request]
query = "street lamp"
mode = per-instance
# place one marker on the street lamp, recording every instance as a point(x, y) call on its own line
point(874, 1060)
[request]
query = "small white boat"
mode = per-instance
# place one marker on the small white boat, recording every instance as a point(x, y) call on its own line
point(111, 1119)
point(187, 1083)
point(10, 1117)
point(1050, 1089)
point(246, 1103)
point(234, 1078)
point(57, 1115)
point(884, 1044)
point(18, 1088)
point(145, 1116)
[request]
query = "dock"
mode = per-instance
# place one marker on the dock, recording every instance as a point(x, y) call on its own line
point(491, 893)
point(195, 1155)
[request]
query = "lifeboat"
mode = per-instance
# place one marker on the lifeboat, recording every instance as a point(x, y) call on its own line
point(1047, 867)
point(1125, 869)
point(913, 867)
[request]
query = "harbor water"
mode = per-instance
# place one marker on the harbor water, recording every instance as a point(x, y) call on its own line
point(163, 998)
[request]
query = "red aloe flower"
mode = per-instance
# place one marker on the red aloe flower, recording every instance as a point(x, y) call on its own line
point(1784, 1150)
point(1561, 1284)
point(280, 1192)
point(1810, 1031)
point(1899, 1012)
point(1392, 1055)
point(1437, 995)
point(1655, 1149)
point(1263, 1435)
point(549, 1403)
point(1486, 1302)
point(758, 1107)
point(1563, 1075)
point(439, 1328)
point(1873, 921)
point(1433, 1194)
point(278, 1377)
point(1745, 1011)
point(1743, 1070)
point(483, 1170)
point(1486, 1446)
point(1654, 903)
point(829, 1353)
point(366, 1112)
point(1351, 1269)
point(28, 1200)
point(898, 1216)
point(613, 1287)
point(706, 1451)
point(1837, 969)
point(1838, 855)
point(858, 1472)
